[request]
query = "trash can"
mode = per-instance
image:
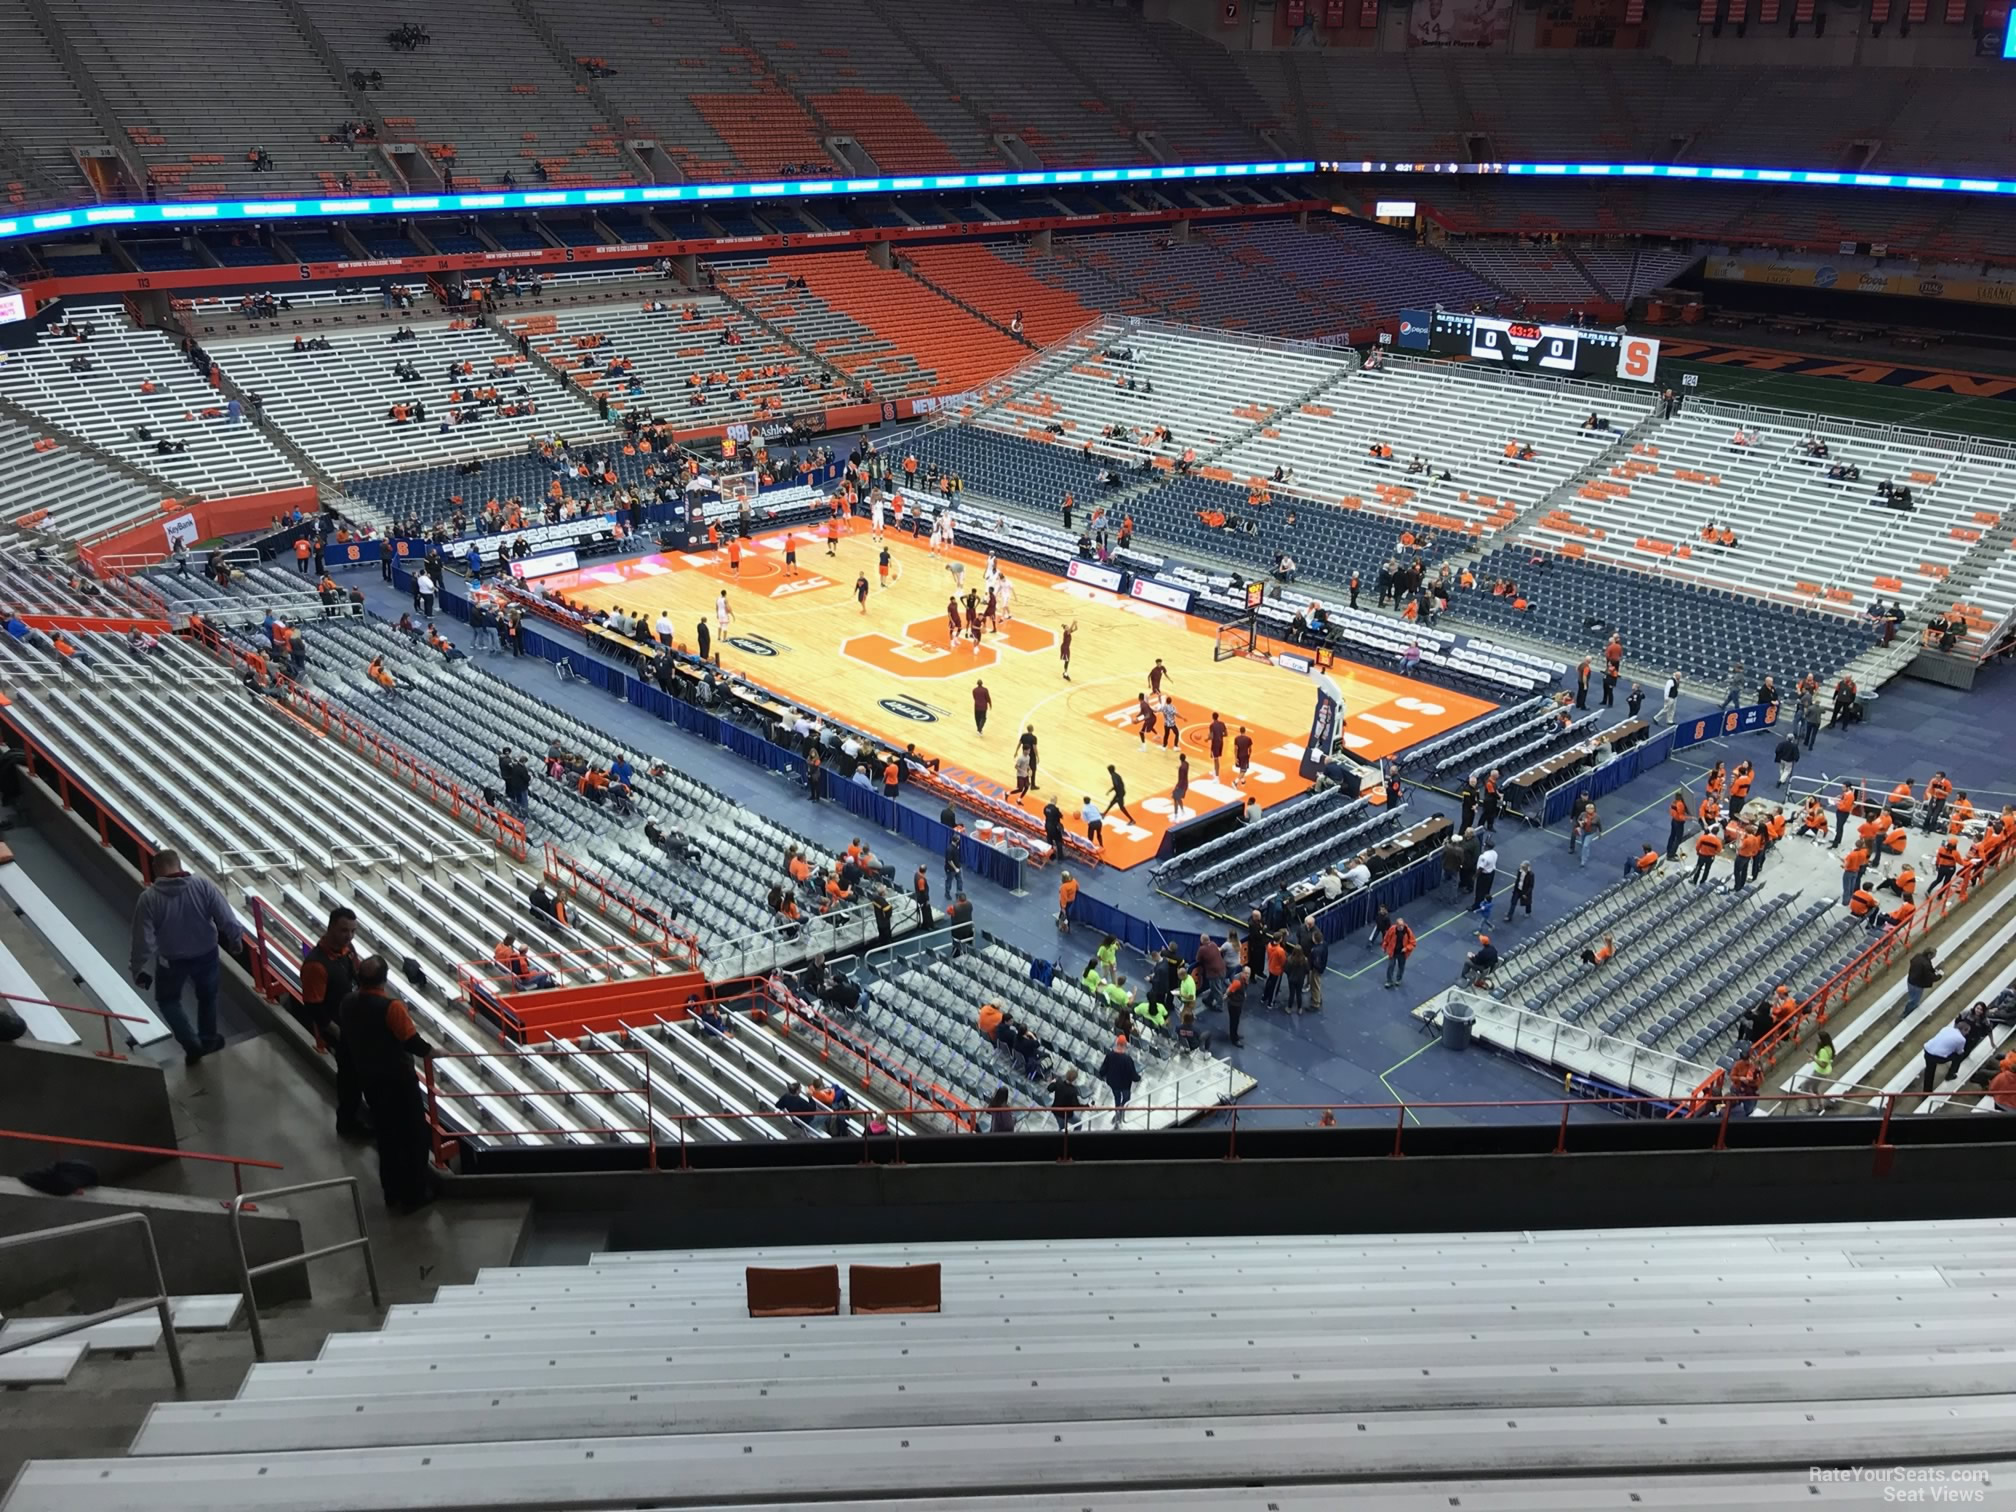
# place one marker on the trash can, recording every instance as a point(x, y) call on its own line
point(1458, 1020)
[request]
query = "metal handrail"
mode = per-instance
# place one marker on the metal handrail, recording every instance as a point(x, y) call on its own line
point(167, 1152)
point(248, 1272)
point(159, 1301)
point(103, 1015)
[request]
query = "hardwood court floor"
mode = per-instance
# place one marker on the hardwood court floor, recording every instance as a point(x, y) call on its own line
point(895, 671)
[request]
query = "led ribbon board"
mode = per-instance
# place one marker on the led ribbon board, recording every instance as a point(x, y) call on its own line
point(312, 207)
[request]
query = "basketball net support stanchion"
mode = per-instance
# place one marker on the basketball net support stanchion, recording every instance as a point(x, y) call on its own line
point(1240, 637)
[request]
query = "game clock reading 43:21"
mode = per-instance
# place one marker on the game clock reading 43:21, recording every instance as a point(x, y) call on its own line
point(1524, 343)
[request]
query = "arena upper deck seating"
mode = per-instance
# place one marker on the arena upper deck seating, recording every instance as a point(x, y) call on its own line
point(830, 332)
point(161, 83)
point(668, 350)
point(996, 56)
point(66, 493)
point(481, 109)
point(741, 97)
point(841, 57)
point(43, 114)
point(336, 404)
point(105, 404)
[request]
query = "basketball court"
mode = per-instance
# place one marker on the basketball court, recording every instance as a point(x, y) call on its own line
point(897, 671)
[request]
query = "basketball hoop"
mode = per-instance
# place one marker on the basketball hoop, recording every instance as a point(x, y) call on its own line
point(739, 489)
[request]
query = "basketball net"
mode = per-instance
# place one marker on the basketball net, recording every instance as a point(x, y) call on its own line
point(738, 488)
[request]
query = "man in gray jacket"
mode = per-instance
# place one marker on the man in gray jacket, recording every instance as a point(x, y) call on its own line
point(179, 925)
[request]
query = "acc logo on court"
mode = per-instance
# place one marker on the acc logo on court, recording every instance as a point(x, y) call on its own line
point(755, 645)
point(910, 708)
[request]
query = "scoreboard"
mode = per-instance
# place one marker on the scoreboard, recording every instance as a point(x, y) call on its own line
point(1531, 346)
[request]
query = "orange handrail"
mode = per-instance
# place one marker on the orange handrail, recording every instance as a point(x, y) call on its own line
point(645, 921)
point(442, 791)
point(105, 1014)
point(236, 1162)
point(143, 849)
point(1872, 959)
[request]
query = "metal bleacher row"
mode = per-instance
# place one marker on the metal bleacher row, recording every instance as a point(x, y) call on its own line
point(1799, 532)
point(678, 367)
point(874, 324)
point(106, 405)
point(253, 799)
point(1599, 528)
point(831, 334)
point(1706, 960)
point(336, 404)
point(60, 491)
point(1573, 526)
point(456, 716)
point(926, 1007)
point(1501, 1372)
point(1291, 844)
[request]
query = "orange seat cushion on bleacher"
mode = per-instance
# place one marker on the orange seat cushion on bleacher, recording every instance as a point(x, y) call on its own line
point(998, 289)
point(809, 1291)
point(963, 350)
point(765, 130)
point(894, 1289)
point(889, 129)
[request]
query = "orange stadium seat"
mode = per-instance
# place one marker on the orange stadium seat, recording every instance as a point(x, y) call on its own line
point(964, 349)
point(998, 289)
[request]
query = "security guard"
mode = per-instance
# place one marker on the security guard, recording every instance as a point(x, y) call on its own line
point(383, 1043)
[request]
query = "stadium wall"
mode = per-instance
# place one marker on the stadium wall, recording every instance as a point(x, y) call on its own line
point(214, 517)
point(1289, 1181)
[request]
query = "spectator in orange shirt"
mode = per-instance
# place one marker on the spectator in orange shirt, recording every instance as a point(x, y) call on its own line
point(1067, 894)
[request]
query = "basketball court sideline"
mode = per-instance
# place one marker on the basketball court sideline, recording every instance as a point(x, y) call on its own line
point(892, 667)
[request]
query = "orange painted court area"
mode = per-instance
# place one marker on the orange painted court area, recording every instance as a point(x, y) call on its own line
point(897, 671)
